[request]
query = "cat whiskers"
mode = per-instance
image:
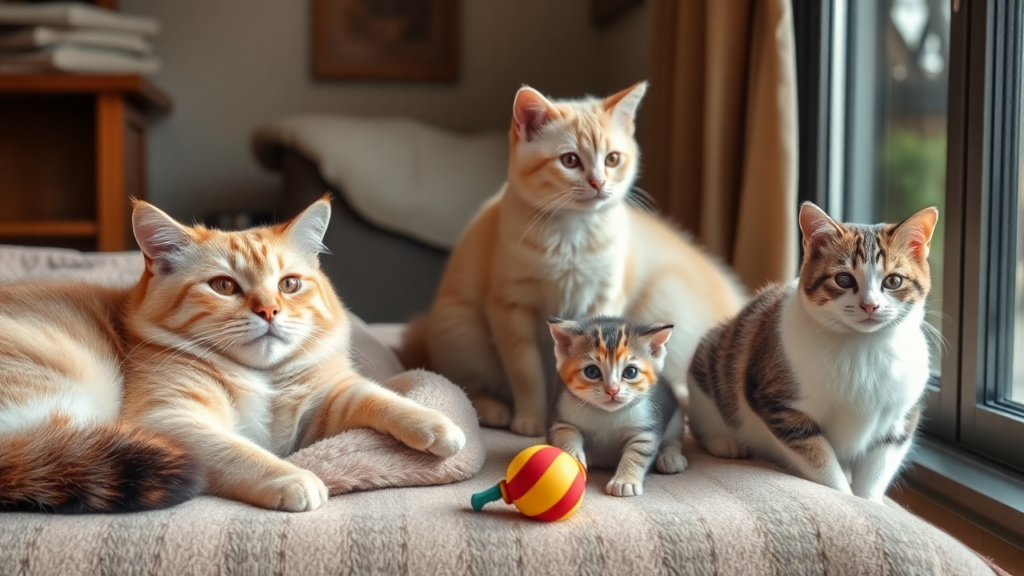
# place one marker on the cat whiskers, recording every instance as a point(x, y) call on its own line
point(641, 199)
point(935, 335)
point(212, 333)
point(546, 210)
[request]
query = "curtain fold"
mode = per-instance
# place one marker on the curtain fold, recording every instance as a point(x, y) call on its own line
point(720, 139)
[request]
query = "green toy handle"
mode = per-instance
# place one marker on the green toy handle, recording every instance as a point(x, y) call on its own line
point(490, 495)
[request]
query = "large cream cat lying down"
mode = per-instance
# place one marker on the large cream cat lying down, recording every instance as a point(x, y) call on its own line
point(230, 352)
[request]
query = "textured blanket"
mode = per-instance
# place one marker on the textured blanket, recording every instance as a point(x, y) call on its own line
point(400, 174)
point(718, 517)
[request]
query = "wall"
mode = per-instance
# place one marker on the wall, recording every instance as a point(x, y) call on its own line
point(230, 65)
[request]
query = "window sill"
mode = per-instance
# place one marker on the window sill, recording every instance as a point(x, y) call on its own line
point(980, 491)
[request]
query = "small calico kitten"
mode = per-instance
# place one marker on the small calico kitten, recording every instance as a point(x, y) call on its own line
point(825, 376)
point(615, 409)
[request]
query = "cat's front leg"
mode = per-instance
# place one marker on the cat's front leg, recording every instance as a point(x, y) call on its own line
point(636, 459)
point(874, 471)
point(235, 467)
point(608, 303)
point(808, 452)
point(513, 325)
point(359, 403)
point(670, 457)
point(567, 437)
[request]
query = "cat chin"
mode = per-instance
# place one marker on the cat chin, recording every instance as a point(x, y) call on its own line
point(262, 354)
point(868, 326)
point(608, 406)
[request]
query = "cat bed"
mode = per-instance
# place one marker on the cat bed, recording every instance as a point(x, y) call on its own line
point(364, 459)
point(399, 174)
point(719, 517)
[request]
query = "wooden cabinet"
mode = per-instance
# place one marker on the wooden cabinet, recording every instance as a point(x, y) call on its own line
point(72, 154)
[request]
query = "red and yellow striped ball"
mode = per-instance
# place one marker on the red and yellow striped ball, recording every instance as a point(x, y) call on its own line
point(544, 483)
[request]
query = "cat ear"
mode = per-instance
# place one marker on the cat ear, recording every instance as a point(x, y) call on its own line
point(158, 234)
point(531, 111)
point(816, 226)
point(657, 335)
point(623, 106)
point(306, 231)
point(917, 231)
point(563, 333)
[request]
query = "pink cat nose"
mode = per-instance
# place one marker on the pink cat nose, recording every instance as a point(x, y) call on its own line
point(869, 308)
point(596, 184)
point(611, 391)
point(265, 311)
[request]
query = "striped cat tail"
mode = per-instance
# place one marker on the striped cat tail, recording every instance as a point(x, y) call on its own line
point(63, 468)
point(413, 353)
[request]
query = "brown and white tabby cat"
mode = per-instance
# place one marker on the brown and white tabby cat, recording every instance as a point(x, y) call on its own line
point(825, 375)
point(560, 239)
point(230, 352)
point(615, 410)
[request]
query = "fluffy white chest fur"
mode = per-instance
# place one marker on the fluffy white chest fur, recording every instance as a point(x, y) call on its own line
point(583, 277)
point(856, 386)
point(253, 402)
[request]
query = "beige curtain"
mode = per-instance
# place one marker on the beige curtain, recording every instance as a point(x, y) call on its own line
point(720, 137)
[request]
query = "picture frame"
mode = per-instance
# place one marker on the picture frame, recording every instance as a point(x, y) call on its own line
point(386, 39)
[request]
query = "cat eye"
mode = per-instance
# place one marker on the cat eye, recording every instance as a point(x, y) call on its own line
point(570, 160)
point(892, 281)
point(289, 285)
point(224, 285)
point(592, 372)
point(845, 280)
point(612, 160)
point(630, 372)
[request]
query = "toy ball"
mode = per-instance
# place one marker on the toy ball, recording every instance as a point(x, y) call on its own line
point(543, 482)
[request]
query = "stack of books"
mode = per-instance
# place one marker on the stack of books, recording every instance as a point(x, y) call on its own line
point(76, 38)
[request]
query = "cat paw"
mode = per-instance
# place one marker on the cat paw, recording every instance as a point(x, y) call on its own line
point(671, 463)
point(580, 456)
point(725, 448)
point(527, 425)
point(433, 432)
point(624, 487)
point(296, 491)
point(492, 413)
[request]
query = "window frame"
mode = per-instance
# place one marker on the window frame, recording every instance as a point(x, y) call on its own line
point(989, 221)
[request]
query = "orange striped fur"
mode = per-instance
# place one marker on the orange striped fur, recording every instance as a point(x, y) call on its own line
point(562, 239)
point(231, 352)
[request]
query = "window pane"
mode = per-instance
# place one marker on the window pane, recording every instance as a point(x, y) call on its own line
point(905, 146)
point(1016, 392)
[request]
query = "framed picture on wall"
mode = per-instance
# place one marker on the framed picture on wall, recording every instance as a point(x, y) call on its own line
point(386, 39)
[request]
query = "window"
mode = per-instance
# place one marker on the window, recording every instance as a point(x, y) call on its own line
point(896, 108)
point(911, 103)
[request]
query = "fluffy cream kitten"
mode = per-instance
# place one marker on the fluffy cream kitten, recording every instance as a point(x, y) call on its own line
point(561, 239)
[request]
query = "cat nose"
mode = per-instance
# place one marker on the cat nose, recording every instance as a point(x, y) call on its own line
point(265, 311)
point(869, 308)
point(611, 391)
point(596, 184)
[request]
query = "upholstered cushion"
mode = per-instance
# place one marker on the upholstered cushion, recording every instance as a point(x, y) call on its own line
point(719, 517)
